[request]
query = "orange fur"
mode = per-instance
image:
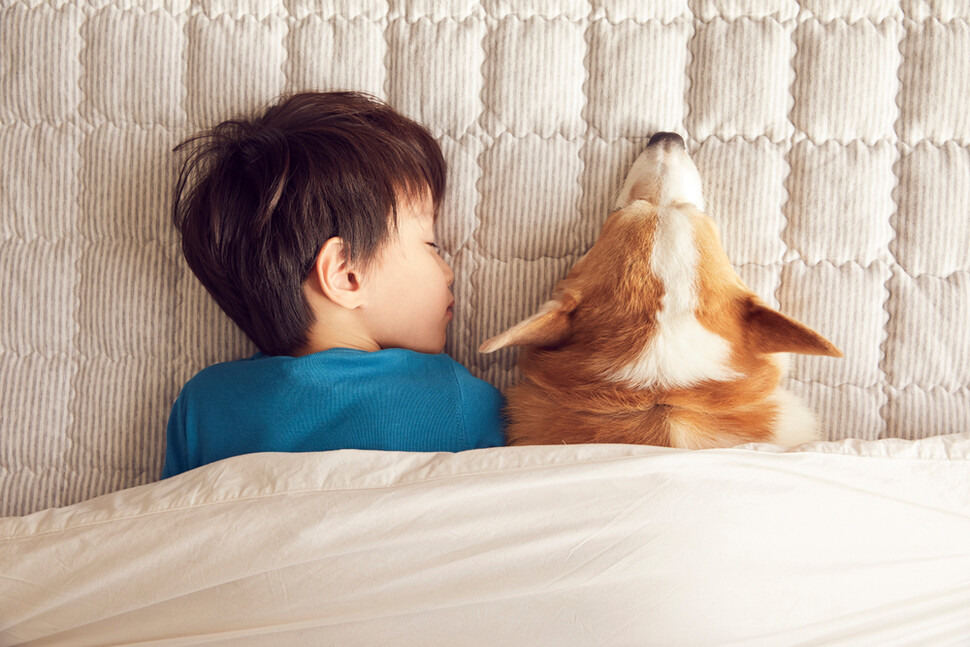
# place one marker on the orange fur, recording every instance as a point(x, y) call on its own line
point(606, 309)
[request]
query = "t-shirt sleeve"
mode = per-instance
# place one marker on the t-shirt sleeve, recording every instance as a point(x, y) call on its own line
point(175, 449)
point(481, 405)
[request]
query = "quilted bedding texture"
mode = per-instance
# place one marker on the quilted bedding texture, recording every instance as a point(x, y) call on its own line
point(832, 136)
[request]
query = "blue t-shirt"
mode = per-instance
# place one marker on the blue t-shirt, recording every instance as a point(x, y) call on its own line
point(392, 399)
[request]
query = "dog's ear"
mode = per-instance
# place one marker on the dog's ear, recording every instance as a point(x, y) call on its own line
point(548, 327)
point(769, 331)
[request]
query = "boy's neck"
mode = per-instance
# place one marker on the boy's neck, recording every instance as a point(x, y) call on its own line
point(321, 342)
point(335, 327)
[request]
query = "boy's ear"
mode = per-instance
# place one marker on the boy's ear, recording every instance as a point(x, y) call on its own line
point(769, 331)
point(334, 277)
point(548, 327)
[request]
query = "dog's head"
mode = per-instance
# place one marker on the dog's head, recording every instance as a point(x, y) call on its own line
point(655, 303)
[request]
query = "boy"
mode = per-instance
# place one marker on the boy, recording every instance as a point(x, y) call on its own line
point(312, 226)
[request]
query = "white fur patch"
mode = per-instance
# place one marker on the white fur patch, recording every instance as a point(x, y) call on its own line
point(663, 178)
point(682, 182)
point(683, 435)
point(682, 352)
point(796, 423)
point(690, 437)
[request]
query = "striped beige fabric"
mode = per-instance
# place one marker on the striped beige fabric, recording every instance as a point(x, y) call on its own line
point(834, 139)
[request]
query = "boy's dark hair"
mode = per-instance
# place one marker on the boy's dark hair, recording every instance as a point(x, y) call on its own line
point(256, 199)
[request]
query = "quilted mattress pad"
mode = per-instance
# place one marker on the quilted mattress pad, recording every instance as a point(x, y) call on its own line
point(833, 138)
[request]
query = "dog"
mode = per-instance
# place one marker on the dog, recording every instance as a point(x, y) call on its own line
point(652, 338)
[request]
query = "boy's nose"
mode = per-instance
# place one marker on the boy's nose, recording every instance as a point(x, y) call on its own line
point(449, 273)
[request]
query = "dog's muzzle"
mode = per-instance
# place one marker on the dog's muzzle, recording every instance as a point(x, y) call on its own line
point(663, 174)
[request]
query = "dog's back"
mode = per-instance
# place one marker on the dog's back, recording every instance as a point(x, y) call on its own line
point(652, 337)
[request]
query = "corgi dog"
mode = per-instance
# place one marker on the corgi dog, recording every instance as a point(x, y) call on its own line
point(652, 337)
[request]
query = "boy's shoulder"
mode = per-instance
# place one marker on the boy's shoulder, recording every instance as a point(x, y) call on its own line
point(333, 364)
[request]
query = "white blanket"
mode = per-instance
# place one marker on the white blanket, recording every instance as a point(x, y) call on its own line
point(844, 543)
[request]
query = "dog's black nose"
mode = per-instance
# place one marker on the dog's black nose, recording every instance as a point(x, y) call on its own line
point(667, 140)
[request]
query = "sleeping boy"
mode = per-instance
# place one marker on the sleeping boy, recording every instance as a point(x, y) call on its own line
point(312, 226)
